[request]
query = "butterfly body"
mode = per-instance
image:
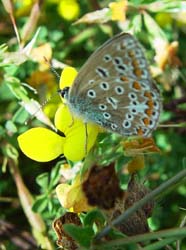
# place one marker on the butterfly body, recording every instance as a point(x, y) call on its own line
point(115, 90)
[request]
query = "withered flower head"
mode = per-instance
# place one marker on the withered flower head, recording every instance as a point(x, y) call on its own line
point(64, 240)
point(102, 187)
point(137, 222)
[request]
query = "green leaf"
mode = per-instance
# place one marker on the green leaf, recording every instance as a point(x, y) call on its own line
point(20, 116)
point(6, 94)
point(2, 131)
point(43, 180)
point(167, 6)
point(121, 161)
point(10, 151)
point(50, 205)
point(15, 87)
point(83, 235)
point(10, 69)
point(54, 176)
point(11, 127)
point(153, 28)
point(137, 23)
point(94, 216)
point(40, 203)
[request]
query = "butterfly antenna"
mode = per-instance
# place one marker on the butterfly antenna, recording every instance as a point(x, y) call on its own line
point(52, 68)
point(39, 107)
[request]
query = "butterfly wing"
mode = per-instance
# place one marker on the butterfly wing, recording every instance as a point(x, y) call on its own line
point(114, 89)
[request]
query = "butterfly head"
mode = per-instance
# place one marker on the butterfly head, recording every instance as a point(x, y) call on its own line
point(64, 92)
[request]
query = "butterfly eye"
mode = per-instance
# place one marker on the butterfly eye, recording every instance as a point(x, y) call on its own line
point(64, 92)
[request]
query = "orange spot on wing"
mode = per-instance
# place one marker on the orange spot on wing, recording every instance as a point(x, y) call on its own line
point(146, 121)
point(137, 72)
point(148, 94)
point(131, 53)
point(150, 104)
point(148, 112)
point(140, 131)
point(124, 79)
point(135, 63)
point(136, 85)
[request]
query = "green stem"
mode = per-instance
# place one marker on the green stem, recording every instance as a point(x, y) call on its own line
point(160, 243)
point(35, 220)
point(174, 234)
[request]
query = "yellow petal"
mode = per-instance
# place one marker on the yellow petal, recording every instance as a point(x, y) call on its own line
point(41, 144)
point(62, 191)
point(77, 143)
point(72, 196)
point(64, 119)
point(69, 9)
point(118, 10)
point(68, 76)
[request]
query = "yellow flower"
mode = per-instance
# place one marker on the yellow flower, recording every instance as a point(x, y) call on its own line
point(23, 8)
point(69, 9)
point(72, 196)
point(42, 144)
point(118, 10)
point(163, 19)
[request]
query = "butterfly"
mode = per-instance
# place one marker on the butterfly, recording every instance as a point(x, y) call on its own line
point(115, 90)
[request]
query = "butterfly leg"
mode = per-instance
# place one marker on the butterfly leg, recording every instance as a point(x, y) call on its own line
point(72, 123)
